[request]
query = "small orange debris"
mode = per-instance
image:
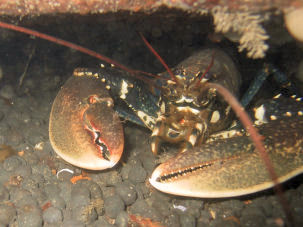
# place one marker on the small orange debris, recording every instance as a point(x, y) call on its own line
point(54, 172)
point(233, 218)
point(247, 202)
point(144, 222)
point(21, 153)
point(74, 179)
point(46, 206)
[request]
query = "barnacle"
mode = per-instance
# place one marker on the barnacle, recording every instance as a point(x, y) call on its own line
point(247, 25)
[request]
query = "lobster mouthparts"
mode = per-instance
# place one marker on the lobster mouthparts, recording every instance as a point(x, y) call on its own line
point(84, 129)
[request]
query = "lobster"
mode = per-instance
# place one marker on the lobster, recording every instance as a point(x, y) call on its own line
point(87, 105)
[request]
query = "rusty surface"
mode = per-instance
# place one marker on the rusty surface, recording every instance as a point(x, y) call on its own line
point(38, 7)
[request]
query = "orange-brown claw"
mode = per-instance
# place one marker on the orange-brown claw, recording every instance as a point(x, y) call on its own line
point(233, 167)
point(84, 129)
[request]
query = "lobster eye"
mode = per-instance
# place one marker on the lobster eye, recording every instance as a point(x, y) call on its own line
point(207, 76)
point(178, 72)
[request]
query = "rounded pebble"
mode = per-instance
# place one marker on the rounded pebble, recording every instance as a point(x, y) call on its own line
point(30, 218)
point(187, 220)
point(85, 214)
point(52, 189)
point(57, 201)
point(122, 219)
point(4, 194)
point(80, 196)
point(137, 174)
point(11, 163)
point(102, 222)
point(113, 206)
point(127, 192)
point(143, 209)
point(1, 115)
point(7, 213)
point(24, 171)
point(7, 91)
point(72, 223)
point(52, 215)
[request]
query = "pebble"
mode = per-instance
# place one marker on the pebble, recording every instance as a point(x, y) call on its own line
point(7, 91)
point(57, 201)
point(85, 213)
point(30, 218)
point(253, 220)
point(29, 184)
point(1, 115)
point(16, 194)
point(187, 221)
point(72, 223)
point(172, 220)
point(102, 222)
point(4, 194)
point(113, 205)
point(80, 196)
point(52, 189)
point(143, 209)
point(137, 174)
point(122, 219)
point(24, 171)
point(7, 213)
point(52, 215)
point(11, 163)
point(127, 192)
point(65, 190)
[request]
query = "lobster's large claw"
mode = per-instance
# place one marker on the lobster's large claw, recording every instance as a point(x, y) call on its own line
point(232, 167)
point(84, 129)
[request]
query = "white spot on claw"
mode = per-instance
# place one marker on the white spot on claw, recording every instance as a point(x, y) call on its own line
point(123, 89)
point(215, 117)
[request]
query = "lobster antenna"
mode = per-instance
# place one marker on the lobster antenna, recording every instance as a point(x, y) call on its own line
point(207, 69)
point(257, 140)
point(159, 58)
point(64, 43)
point(73, 46)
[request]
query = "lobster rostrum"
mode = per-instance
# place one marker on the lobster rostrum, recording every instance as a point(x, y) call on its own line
point(186, 110)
